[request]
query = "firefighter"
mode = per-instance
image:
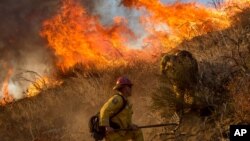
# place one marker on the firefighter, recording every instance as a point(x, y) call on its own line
point(122, 120)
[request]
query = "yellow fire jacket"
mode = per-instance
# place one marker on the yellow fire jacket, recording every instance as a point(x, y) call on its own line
point(111, 107)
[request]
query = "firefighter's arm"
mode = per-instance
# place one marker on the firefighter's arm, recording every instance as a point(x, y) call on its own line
point(109, 108)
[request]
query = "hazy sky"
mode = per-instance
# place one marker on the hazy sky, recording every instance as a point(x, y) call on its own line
point(204, 1)
point(201, 1)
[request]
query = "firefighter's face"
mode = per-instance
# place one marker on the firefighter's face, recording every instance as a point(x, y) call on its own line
point(128, 90)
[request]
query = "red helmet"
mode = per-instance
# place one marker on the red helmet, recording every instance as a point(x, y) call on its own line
point(122, 81)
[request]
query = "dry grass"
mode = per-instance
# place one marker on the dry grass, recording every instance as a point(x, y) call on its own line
point(62, 113)
point(224, 84)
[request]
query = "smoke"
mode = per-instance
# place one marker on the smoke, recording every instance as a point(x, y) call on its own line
point(15, 90)
point(108, 10)
point(20, 44)
point(22, 49)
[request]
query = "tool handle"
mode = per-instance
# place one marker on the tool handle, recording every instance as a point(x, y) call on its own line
point(149, 126)
point(158, 125)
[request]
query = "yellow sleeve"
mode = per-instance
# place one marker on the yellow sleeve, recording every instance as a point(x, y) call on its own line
point(110, 108)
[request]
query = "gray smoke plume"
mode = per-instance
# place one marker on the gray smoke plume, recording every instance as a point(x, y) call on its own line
point(108, 10)
point(22, 48)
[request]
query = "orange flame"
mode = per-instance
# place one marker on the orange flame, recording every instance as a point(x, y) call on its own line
point(77, 37)
point(181, 20)
point(6, 97)
point(236, 5)
point(40, 85)
point(238, 2)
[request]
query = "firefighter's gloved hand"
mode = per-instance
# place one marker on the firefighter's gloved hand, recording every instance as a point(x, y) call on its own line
point(134, 127)
point(109, 129)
